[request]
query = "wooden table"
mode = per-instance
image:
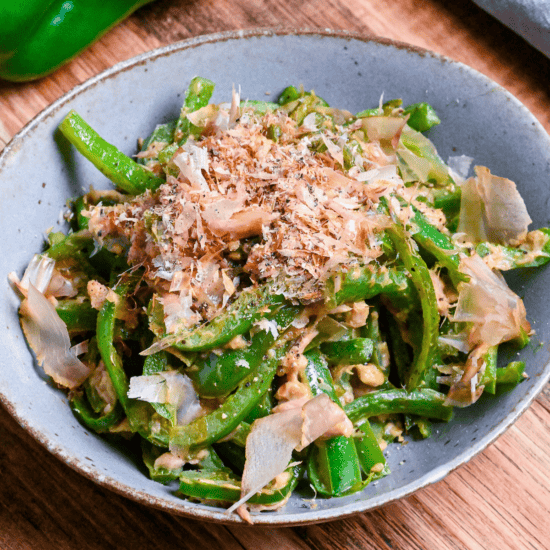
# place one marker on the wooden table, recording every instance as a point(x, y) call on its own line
point(500, 500)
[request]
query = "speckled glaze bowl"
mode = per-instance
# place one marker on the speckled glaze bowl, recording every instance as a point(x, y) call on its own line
point(39, 171)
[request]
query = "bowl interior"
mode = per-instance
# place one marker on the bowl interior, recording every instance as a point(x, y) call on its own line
point(39, 171)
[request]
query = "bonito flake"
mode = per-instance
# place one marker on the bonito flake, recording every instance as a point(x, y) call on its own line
point(291, 212)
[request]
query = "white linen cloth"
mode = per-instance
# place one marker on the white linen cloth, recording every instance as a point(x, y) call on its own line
point(528, 18)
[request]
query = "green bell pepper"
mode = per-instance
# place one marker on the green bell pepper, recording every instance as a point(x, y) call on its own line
point(38, 36)
point(208, 429)
point(428, 403)
point(422, 116)
point(420, 276)
point(332, 465)
point(511, 374)
point(218, 375)
point(124, 172)
point(220, 486)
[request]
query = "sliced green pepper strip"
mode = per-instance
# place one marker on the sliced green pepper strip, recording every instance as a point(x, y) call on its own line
point(159, 362)
point(511, 374)
point(388, 108)
point(96, 401)
point(232, 455)
point(362, 283)
point(78, 316)
point(378, 427)
point(211, 427)
point(162, 475)
point(211, 461)
point(412, 331)
point(290, 93)
point(422, 116)
point(239, 434)
point(522, 340)
point(148, 423)
point(423, 424)
point(105, 343)
point(309, 103)
point(420, 275)
point(342, 385)
point(262, 408)
point(489, 378)
point(439, 245)
point(447, 199)
point(521, 256)
point(369, 112)
point(380, 353)
point(141, 415)
point(451, 210)
point(414, 144)
point(348, 352)
point(150, 452)
point(217, 375)
point(225, 487)
point(428, 403)
point(237, 318)
point(317, 375)
point(332, 465)
point(198, 95)
point(298, 104)
point(400, 351)
point(84, 412)
point(165, 156)
point(369, 452)
point(79, 206)
point(125, 173)
point(163, 133)
point(70, 245)
point(260, 107)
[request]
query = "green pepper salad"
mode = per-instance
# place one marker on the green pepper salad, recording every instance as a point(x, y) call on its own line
point(273, 292)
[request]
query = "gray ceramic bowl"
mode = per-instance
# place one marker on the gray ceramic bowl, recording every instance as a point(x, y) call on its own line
point(38, 172)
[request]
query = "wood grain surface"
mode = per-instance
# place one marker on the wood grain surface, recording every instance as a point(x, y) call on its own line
point(500, 500)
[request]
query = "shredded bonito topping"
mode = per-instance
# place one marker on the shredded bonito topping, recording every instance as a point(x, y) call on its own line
point(297, 214)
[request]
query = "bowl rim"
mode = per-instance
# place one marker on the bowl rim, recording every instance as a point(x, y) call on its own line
point(276, 519)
